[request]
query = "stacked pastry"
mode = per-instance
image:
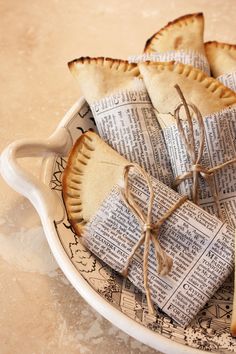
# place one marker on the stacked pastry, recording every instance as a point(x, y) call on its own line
point(176, 122)
point(123, 112)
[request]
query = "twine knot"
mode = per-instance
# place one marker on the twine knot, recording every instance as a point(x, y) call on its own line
point(204, 172)
point(150, 232)
point(147, 227)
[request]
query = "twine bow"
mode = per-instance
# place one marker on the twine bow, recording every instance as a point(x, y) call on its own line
point(197, 169)
point(149, 231)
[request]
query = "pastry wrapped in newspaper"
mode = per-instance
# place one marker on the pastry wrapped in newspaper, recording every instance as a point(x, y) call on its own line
point(222, 60)
point(169, 248)
point(209, 143)
point(213, 100)
point(180, 40)
point(207, 93)
point(123, 112)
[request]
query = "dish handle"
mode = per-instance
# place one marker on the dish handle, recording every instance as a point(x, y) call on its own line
point(41, 196)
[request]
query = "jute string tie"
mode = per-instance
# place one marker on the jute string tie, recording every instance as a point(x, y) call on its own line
point(195, 155)
point(150, 231)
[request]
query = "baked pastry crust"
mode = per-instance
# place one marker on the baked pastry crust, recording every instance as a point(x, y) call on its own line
point(221, 57)
point(99, 77)
point(186, 32)
point(92, 170)
point(207, 93)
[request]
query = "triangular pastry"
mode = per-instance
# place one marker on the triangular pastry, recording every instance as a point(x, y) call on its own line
point(208, 94)
point(85, 180)
point(123, 112)
point(221, 57)
point(99, 77)
point(184, 33)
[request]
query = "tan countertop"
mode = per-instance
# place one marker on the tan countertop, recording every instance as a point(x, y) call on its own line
point(40, 310)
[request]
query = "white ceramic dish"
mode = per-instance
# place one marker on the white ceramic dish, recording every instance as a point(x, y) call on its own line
point(111, 295)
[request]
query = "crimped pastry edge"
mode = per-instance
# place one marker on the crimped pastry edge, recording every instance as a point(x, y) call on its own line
point(75, 216)
point(110, 63)
point(210, 83)
point(182, 20)
point(215, 44)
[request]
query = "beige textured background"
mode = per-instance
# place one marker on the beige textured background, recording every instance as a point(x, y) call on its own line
point(40, 311)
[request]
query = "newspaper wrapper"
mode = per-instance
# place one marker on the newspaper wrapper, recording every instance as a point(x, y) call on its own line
point(127, 122)
point(202, 247)
point(188, 57)
point(219, 147)
point(228, 80)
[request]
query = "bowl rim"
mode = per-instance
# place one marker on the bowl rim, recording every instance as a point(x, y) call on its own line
point(61, 140)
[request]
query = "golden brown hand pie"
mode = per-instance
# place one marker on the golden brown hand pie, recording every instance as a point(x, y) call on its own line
point(221, 57)
point(92, 170)
point(123, 112)
point(207, 93)
point(184, 33)
point(100, 77)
